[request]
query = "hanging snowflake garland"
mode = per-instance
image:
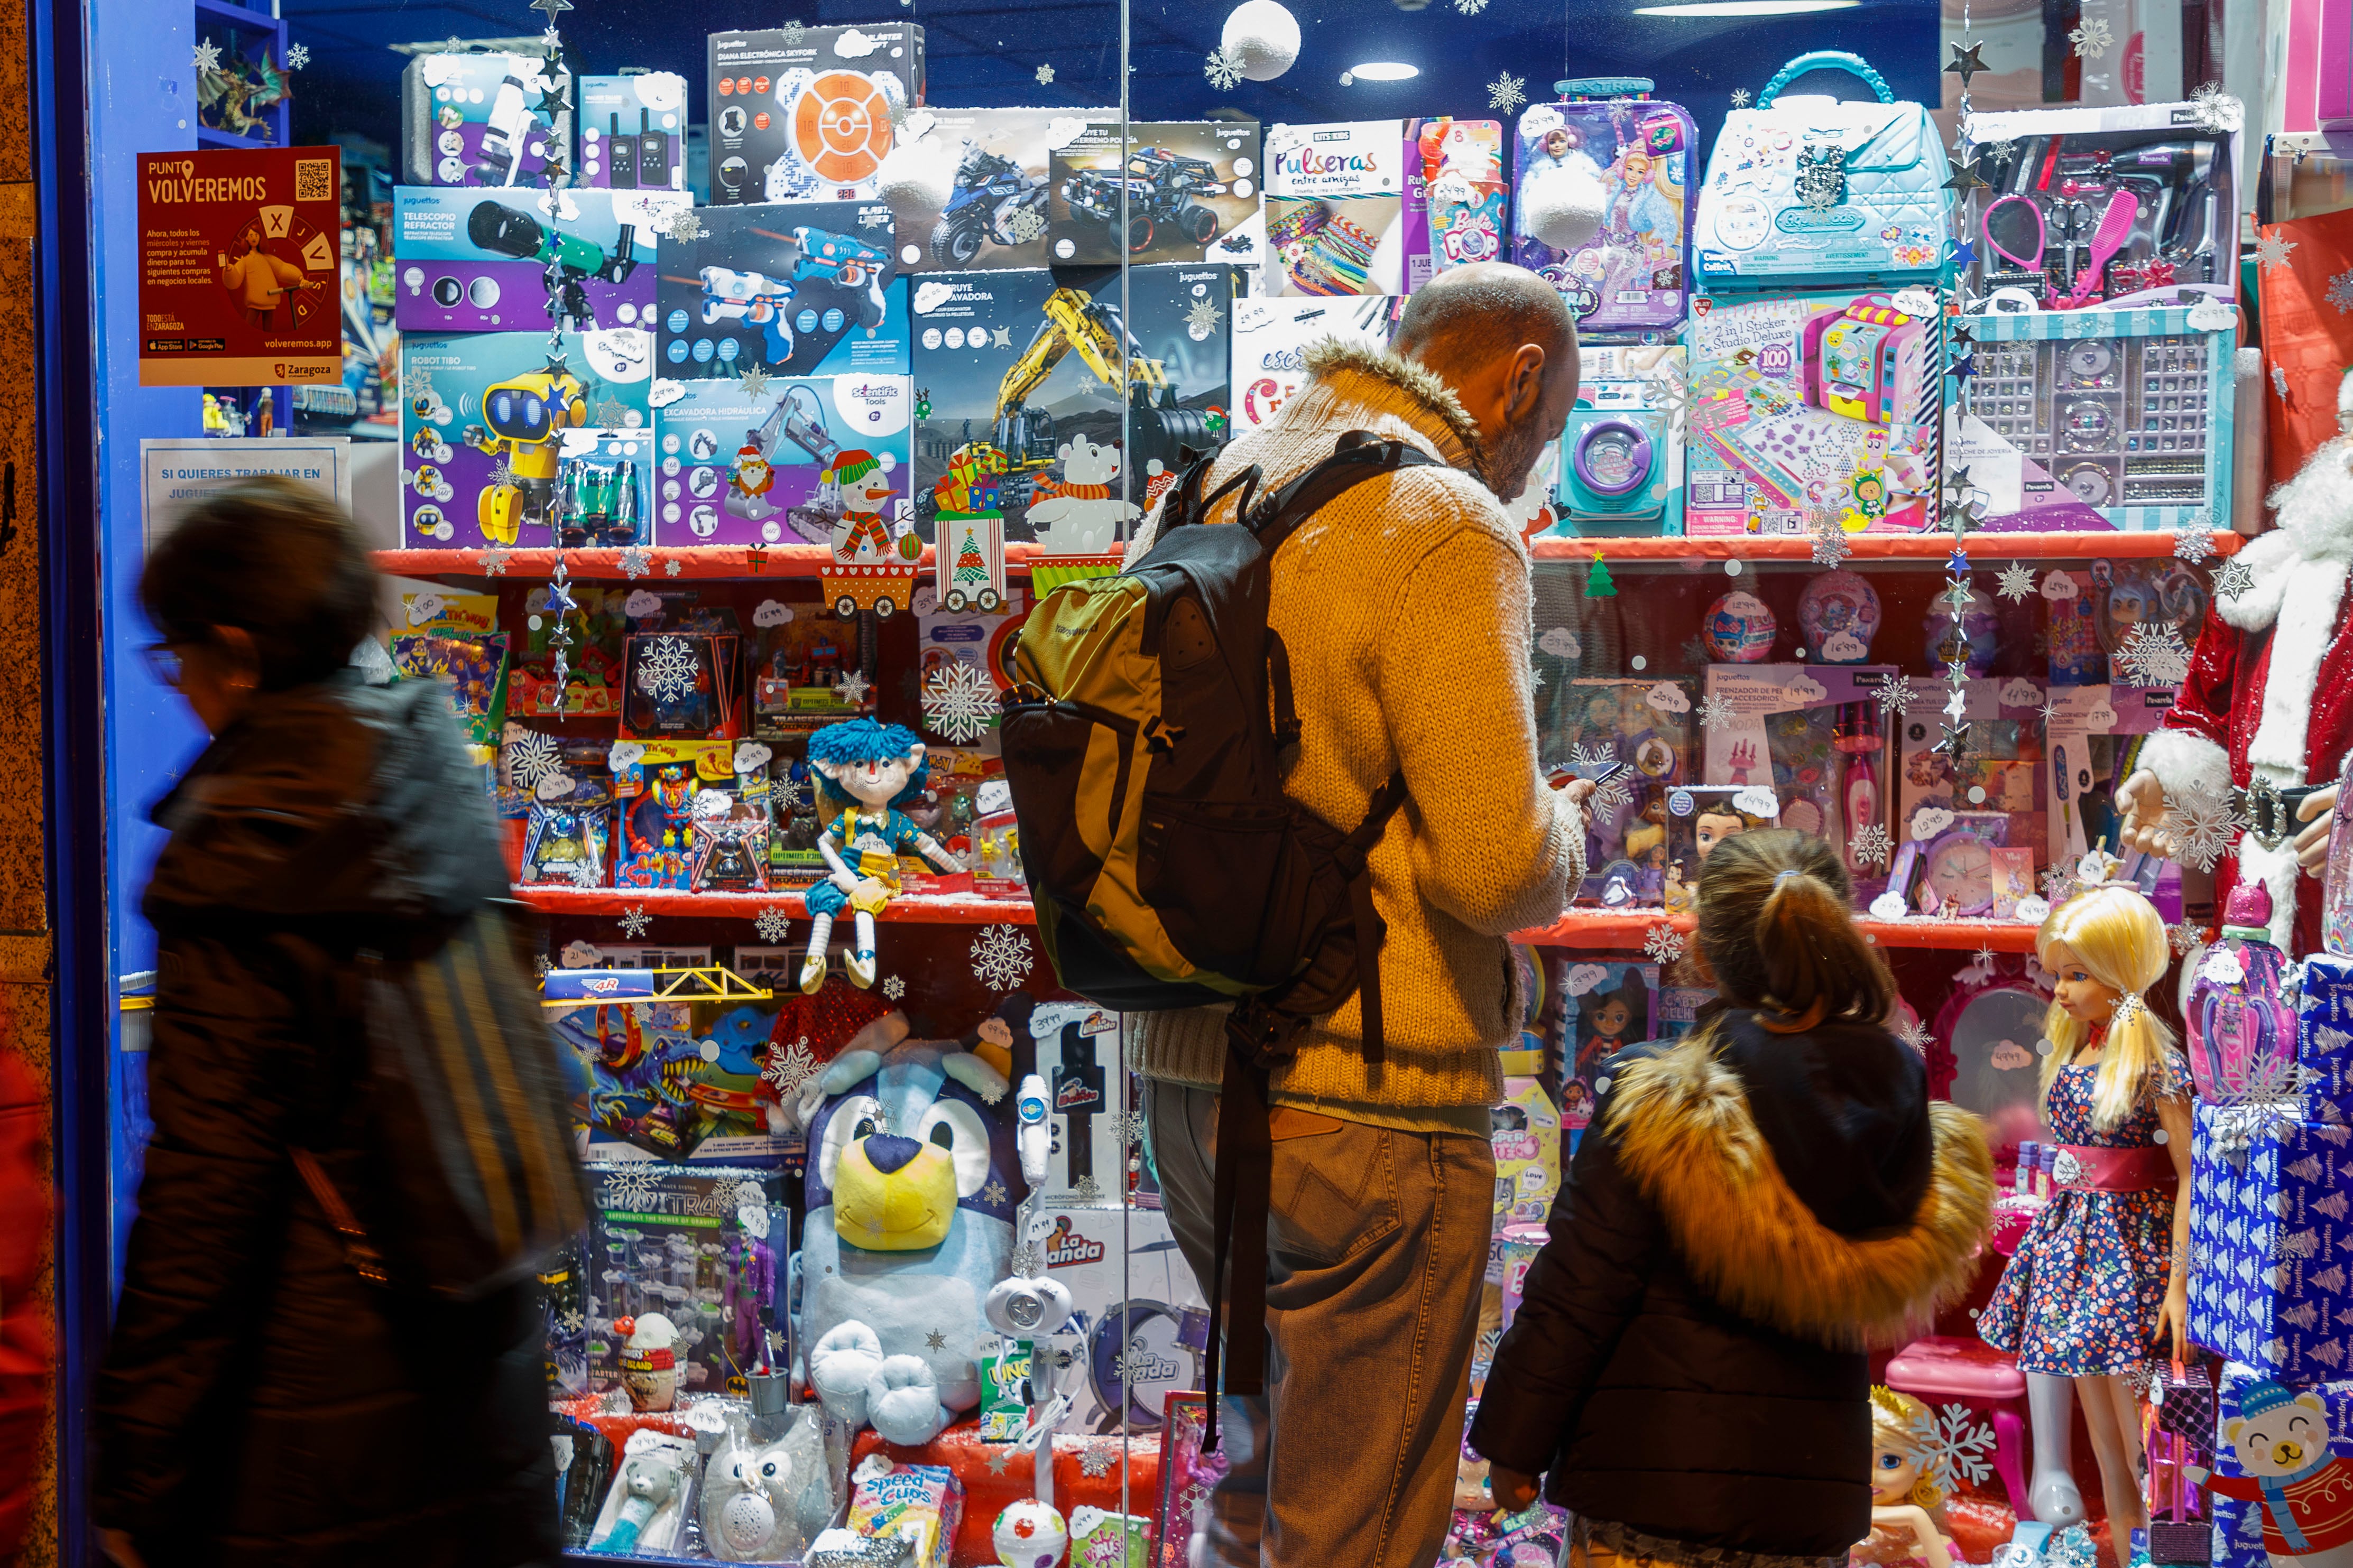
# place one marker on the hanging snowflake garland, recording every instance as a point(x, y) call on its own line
point(959, 703)
point(1663, 944)
point(1715, 711)
point(2198, 824)
point(1507, 93)
point(2271, 250)
point(772, 925)
point(1001, 957)
point(2153, 654)
point(2015, 583)
point(1869, 846)
point(668, 672)
point(635, 922)
point(1224, 69)
point(2093, 38)
point(1953, 1447)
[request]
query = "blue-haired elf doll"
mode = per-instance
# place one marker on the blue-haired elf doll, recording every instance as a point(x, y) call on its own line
point(870, 770)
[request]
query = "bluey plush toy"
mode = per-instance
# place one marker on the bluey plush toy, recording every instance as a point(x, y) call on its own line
point(912, 1182)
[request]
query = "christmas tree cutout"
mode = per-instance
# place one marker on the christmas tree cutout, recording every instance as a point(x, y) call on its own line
point(969, 566)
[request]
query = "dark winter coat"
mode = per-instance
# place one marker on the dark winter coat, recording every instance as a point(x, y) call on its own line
point(1746, 1212)
point(259, 1404)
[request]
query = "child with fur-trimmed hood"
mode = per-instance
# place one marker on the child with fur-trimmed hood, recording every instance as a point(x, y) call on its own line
point(1753, 1207)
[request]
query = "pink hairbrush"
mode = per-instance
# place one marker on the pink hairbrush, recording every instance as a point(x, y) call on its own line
point(2115, 227)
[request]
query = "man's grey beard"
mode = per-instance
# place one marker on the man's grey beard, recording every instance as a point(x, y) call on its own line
point(1510, 459)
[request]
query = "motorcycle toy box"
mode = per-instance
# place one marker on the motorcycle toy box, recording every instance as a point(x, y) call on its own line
point(2108, 419)
point(1335, 208)
point(793, 289)
point(2083, 208)
point(995, 166)
point(1621, 462)
point(478, 261)
point(1190, 188)
point(1811, 408)
point(633, 133)
point(808, 113)
point(771, 466)
point(1633, 276)
point(498, 121)
point(1807, 191)
point(1272, 338)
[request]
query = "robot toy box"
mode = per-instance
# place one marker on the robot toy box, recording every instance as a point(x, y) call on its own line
point(2116, 418)
point(1335, 208)
point(1175, 191)
point(494, 426)
point(2087, 207)
point(1813, 192)
point(1454, 193)
point(807, 113)
point(999, 167)
point(1813, 408)
point(1591, 726)
point(766, 467)
point(471, 262)
point(1634, 275)
point(1031, 364)
point(656, 792)
point(633, 131)
point(501, 120)
point(801, 289)
point(1620, 470)
point(1272, 338)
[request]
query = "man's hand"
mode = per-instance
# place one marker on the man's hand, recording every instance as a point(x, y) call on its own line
point(2140, 804)
point(2311, 844)
point(1513, 1492)
point(1578, 791)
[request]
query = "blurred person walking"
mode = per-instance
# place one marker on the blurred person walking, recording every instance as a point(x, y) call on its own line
point(27, 1343)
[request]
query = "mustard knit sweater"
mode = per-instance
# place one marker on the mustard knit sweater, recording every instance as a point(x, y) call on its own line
point(1406, 606)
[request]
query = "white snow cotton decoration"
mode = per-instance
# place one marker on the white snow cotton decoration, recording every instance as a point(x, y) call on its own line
point(1262, 38)
point(1565, 206)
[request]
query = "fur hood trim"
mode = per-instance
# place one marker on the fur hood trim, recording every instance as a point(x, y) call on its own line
point(1683, 1131)
point(2315, 528)
point(1331, 357)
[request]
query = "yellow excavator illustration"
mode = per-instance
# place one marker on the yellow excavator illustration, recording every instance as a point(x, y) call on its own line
point(1157, 425)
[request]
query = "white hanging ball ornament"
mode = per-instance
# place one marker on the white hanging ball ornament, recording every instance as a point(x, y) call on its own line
point(1029, 1534)
point(918, 174)
point(1564, 206)
point(1262, 38)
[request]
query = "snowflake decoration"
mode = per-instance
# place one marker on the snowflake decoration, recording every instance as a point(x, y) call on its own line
point(2341, 290)
point(1985, 957)
point(1094, 1459)
point(501, 476)
point(2217, 111)
point(298, 57)
point(1026, 226)
point(631, 1189)
point(1953, 1447)
point(667, 673)
point(585, 876)
point(1086, 1190)
point(2270, 1096)
point(852, 688)
point(2184, 938)
point(612, 417)
point(753, 382)
point(208, 56)
point(2015, 583)
point(637, 561)
point(894, 987)
point(572, 1323)
point(1045, 76)
point(1916, 1035)
point(959, 703)
point(1223, 69)
point(1202, 316)
point(682, 226)
point(1001, 957)
point(1507, 93)
point(530, 757)
point(995, 1193)
point(1024, 1261)
point(2093, 38)
point(673, 566)
point(1831, 546)
point(542, 966)
point(1470, 7)
point(2198, 822)
point(494, 560)
point(2271, 250)
point(1593, 760)
point(2233, 579)
point(1894, 693)
point(634, 922)
point(1869, 846)
point(789, 1068)
point(1129, 1127)
point(792, 34)
point(2194, 542)
point(2153, 654)
point(1713, 712)
point(2002, 152)
point(772, 925)
point(1740, 98)
point(1663, 944)
point(1824, 197)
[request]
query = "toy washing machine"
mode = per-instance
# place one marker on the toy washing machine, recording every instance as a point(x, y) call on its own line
point(1620, 463)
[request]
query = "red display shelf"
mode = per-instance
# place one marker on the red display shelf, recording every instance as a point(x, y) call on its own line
point(1603, 927)
point(791, 561)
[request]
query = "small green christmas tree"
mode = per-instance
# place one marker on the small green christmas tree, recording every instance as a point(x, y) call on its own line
point(1597, 582)
point(969, 566)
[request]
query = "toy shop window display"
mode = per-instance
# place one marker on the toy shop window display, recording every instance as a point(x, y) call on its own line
point(2100, 1282)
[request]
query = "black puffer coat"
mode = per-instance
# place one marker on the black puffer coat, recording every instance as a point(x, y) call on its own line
point(1746, 1211)
point(260, 1405)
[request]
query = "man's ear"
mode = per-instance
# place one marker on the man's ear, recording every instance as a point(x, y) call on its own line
point(1524, 388)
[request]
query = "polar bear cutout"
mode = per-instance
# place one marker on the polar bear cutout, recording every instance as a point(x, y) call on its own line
point(1080, 513)
point(2280, 1437)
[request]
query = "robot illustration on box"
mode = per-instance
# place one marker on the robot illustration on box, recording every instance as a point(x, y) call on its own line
point(523, 421)
point(990, 194)
point(660, 828)
point(1160, 187)
point(571, 261)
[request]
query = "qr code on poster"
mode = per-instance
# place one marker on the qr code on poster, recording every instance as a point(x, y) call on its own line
point(314, 179)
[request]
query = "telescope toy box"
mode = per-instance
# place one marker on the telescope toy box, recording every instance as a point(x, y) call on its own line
point(793, 289)
point(1191, 193)
point(770, 467)
point(468, 262)
point(995, 167)
point(484, 120)
point(808, 113)
point(994, 364)
point(633, 133)
point(1335, 208)
point(1272, 338)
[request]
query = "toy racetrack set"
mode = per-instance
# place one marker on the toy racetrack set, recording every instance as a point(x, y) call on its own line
point(807, 113)
point(791, 289)
point(1179, 189)
point(474, 262)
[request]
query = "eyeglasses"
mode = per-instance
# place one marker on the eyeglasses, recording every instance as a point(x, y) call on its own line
point(163, 662)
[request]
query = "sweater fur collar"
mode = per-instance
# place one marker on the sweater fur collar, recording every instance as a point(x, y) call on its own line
point(1683, 1131)
point(1406, 388)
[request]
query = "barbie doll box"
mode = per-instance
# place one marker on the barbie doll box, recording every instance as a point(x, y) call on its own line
point(2268, 1212)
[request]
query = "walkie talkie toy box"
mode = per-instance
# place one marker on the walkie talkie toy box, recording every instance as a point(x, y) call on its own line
point(474, 261)
point(803, 114)
point(633, 131)
point(793, 288)
point(1172, 191)
point(493, 119)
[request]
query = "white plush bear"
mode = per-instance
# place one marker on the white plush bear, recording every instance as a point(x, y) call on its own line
point(1080, 513)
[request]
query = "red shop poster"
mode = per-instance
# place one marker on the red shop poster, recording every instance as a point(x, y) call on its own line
point(239, 267)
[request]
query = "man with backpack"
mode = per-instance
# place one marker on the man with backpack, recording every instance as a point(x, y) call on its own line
point(1402, 610)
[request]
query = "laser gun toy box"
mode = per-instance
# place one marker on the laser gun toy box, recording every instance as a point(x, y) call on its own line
point(807, 113)
point(487, 119)
point(1806, 408)
point(471, 261)
point(633, 131)
point(773, 467)
point(797, 289)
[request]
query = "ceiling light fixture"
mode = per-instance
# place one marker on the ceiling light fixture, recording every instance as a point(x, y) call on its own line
point(1745, 7)
point(1385, 70)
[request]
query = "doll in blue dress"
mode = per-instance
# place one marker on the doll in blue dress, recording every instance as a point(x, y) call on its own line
point(869, 770)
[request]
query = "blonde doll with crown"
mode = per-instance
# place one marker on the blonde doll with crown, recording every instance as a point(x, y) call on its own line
point(1907, 1505)
point(2100, 1279)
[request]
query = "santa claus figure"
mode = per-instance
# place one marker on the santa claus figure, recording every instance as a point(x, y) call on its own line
point(2269, 696)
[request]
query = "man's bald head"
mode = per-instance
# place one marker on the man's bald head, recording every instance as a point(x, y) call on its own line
point(1500, 336)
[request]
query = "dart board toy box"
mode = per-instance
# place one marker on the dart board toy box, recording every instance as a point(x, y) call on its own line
point(808, 113)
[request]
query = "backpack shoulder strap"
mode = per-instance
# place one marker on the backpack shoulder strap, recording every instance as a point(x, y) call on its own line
point(1186, 503)
point(1358, 455)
